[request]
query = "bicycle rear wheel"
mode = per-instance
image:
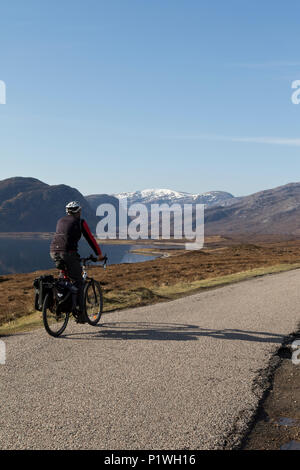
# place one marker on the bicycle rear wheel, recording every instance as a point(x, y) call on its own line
point(54, 322)
point(93, 302)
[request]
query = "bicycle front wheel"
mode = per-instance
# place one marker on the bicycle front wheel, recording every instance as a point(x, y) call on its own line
point(54, 322)
point(93, 302)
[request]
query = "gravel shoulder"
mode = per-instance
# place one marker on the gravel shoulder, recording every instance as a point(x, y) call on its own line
point(277, 424)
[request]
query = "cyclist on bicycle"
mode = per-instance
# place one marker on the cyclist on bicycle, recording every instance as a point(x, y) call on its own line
point(64, 248)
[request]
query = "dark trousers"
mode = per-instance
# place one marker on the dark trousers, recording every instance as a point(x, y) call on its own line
point(74, 271)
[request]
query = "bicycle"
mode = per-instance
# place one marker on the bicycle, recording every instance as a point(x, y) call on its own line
point(61, 296)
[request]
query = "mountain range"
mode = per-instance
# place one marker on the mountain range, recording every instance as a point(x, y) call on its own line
point(168, 196)
point(269, 212)
point(148, 197)
point(30, 205)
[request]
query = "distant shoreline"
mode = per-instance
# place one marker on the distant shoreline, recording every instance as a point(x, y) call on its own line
point(49, 235)
point(44, 235)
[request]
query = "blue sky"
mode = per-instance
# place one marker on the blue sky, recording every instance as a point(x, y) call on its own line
point(119, 95)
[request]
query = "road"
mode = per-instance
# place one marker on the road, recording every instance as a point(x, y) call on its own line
point(186, 374)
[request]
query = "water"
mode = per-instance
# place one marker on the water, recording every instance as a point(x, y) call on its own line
point(292, 445)
point(288, 422)
point(23, 255)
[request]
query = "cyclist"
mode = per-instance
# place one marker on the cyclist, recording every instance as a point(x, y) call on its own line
point(64, 248)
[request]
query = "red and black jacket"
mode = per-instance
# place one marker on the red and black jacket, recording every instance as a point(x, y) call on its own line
point(68, 233)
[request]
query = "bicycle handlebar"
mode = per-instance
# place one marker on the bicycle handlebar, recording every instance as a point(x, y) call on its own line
point(94, 259)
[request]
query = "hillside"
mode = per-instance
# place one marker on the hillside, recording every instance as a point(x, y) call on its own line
point(273, 211)
point(11, 187)
point(96, 200)
point(29, 205)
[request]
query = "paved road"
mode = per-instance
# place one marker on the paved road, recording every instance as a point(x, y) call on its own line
point(186, 374)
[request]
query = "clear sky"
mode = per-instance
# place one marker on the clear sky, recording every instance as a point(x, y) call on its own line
point(120, 95)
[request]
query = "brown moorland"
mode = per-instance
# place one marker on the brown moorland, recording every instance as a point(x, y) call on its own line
point(128, 285)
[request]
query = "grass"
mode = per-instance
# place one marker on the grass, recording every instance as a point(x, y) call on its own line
point(19, 325)
point(176, 290)
point(117, 299)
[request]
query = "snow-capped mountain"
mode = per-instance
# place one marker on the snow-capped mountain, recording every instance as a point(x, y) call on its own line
point(168, 196)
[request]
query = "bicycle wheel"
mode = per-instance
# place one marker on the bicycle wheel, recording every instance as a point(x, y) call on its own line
point(93, 302)
point(54, 322)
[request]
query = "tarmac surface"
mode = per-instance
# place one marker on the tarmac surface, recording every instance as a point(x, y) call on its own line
point(186, 374)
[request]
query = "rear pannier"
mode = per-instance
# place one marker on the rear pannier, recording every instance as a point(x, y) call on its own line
point(42, 285)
